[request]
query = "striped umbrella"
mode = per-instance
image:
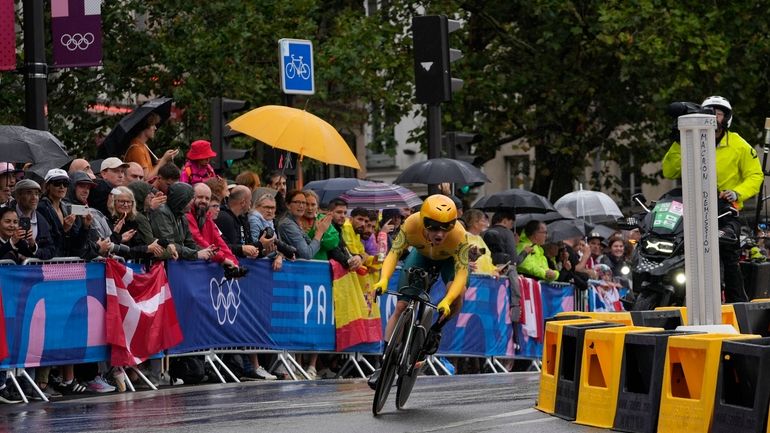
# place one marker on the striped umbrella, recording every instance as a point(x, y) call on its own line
point(381, 196)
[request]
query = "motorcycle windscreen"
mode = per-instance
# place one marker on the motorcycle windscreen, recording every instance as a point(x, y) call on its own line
point(667, 216)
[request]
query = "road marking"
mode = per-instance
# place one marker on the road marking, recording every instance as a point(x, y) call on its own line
point(526, 411)
point(530, 421)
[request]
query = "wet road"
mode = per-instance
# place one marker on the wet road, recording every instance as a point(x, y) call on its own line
point(478, 403)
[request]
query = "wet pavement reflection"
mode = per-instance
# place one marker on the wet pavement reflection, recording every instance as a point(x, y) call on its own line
point(319, 406)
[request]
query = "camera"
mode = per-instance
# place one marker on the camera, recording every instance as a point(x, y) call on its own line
point(235, 272)
point(676, 109)
point(25, 223)
point(267, 232)
point(287, 250)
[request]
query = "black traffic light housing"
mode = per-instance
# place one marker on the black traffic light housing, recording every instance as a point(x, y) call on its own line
point(459, 145)
point(432, 58)
point(221, 108)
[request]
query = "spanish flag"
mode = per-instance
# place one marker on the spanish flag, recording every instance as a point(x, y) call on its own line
point(356, 310)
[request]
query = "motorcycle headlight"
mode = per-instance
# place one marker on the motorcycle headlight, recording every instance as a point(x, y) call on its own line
point(680, 278)
point(657, 246)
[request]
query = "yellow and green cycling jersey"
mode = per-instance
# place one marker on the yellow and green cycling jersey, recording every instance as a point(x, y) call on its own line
point(455, 246)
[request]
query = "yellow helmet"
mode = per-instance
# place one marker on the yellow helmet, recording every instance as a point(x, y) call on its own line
point(438, 212)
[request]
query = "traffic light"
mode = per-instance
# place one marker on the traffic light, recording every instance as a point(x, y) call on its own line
point(221, 133)
point(459, 145)
point(432, 58)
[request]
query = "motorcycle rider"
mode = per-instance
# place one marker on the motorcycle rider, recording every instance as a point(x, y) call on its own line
point(739, 177)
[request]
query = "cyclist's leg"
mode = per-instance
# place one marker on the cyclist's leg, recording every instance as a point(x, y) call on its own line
point(414, 259)
point(433, 339)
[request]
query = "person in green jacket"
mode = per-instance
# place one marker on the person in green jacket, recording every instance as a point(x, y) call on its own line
point(331, 237)
point(535, 264)
point(739, 177)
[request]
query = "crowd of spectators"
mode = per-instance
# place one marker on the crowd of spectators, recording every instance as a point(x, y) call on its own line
point(144, 209)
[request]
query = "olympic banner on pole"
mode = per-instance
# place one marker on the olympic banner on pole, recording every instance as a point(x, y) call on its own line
point(7, 35)
point(76, 28)
point(54, 314)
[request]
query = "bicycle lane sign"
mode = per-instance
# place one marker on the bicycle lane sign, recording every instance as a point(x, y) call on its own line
point(296, 61)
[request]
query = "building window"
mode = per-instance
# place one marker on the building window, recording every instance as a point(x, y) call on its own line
point(518, 172)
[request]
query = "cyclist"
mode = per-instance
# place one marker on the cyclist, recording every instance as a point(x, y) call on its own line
point(739, 177)
point(437, 241)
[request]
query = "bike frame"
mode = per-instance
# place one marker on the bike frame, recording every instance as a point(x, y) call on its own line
point(403, 338)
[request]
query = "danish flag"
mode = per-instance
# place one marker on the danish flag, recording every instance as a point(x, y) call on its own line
point(140, 318)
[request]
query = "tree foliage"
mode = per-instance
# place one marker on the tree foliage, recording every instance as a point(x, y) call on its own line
point(593, 78)
point(577, 81)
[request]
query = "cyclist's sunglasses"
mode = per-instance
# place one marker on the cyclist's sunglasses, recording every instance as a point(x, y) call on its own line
point(434, 225)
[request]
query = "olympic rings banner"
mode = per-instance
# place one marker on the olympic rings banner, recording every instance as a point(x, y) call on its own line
point(76, 27)
point(216, 312)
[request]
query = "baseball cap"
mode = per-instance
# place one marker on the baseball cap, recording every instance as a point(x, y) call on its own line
point(26, 184)
point(81, 177)
point(111, 163)
point(56, 174)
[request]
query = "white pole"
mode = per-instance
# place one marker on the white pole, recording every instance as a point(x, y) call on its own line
point(701, 241)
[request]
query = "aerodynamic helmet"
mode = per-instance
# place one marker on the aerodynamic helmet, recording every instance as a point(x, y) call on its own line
point(438, 212)
point(724, 105)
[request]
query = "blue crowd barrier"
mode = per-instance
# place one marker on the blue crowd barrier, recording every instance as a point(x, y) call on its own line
point(55, 312)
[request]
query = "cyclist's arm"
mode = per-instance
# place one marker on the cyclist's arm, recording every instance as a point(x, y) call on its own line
point(457, 288)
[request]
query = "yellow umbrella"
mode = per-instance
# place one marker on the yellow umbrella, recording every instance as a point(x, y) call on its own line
point(296, 131)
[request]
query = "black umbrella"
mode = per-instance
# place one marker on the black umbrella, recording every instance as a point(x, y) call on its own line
point(117, 141)
point(524, 218)
point(520, 200)
point(566, 229)
point(329, 189)
point(440, 170)
point(41, 148)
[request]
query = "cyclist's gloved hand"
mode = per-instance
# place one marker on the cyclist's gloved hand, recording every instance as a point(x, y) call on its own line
point(444, 307)
point(380, 287)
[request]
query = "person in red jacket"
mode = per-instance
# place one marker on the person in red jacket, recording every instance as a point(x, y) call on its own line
point(203, 229)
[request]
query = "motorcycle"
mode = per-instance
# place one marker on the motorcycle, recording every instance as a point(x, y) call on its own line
point(657, 264)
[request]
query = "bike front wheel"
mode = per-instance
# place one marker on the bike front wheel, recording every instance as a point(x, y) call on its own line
point(406, 381)
point(390, 364)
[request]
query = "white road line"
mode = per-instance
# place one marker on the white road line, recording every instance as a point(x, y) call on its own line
point(477, 420)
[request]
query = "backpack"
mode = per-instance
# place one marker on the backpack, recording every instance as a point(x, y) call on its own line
point(190, 369)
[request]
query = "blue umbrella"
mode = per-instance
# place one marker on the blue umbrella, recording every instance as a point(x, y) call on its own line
point(329, 189)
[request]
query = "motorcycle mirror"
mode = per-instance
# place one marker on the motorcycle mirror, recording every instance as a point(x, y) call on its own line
point(639, 198)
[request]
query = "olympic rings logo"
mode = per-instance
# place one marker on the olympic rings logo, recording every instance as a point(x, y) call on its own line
point(225, 298)
point(77, 41)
